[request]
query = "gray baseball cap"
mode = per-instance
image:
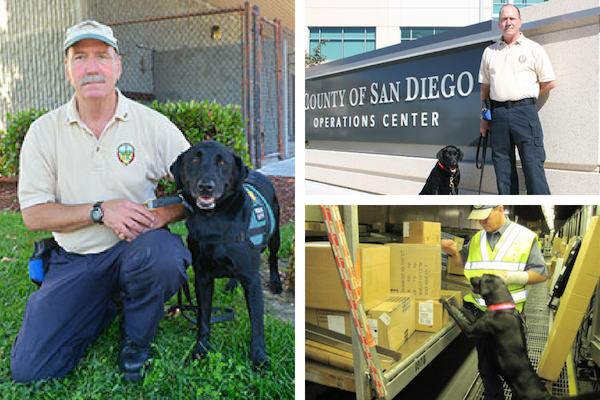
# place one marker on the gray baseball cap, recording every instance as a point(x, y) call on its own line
point(90, 30)
point(481, 212)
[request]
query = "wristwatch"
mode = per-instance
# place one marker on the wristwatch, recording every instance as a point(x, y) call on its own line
point(96, 213)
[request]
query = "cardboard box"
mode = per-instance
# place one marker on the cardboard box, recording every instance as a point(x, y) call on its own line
point(416, 268)
point(431, 316)
point(323, 287)
point(573, 304)
point(315, 226)
point(556, 245)
point(393, 321)
point(422, 232)
point(450, 264)
point(337, 321)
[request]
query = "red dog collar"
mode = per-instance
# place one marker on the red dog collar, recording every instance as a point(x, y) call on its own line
point(503, 306)
point(453, 170)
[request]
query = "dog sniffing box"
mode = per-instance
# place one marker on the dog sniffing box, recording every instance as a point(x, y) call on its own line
point(416, 268)
point(324, 287)
point(421, 232)
point(573, 304)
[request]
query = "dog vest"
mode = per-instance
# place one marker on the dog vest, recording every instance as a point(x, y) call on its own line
point(510, 255)
point(262, 221)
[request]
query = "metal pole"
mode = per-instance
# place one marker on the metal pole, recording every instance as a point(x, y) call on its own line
point(257, 88)
point(279, 95)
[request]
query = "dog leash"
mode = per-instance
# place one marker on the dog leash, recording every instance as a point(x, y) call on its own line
point(155, 203)
point(483, 139)
point(224, 314)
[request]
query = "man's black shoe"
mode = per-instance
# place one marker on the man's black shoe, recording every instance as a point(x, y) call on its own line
point(132, 360)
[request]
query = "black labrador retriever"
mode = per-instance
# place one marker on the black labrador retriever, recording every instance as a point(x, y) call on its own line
point(501, 332)
point(232, 215)
point(445, 176)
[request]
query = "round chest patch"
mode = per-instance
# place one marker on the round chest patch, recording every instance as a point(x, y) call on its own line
point(522, 58)
point(126, 153)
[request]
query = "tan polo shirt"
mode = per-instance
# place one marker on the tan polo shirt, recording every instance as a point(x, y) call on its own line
point(514, 72)
point(63, 162)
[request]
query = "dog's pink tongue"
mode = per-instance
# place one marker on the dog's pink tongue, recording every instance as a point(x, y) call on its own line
point(453, 170)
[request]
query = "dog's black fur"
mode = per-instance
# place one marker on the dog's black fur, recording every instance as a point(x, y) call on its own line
point(445, 176)
point(502, 333)
point(211, 179)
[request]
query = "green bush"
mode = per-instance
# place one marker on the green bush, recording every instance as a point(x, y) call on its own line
point(197, 121)
point(204, 120)
point(12, 139)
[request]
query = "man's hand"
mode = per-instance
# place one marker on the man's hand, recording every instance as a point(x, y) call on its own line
point(484, 127)
point(448, 245)
point(166, 215)
point(126, 218)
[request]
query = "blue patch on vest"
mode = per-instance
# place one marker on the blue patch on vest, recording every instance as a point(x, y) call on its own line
point(262, 221)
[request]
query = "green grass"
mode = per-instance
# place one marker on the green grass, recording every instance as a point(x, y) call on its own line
point(226, 373)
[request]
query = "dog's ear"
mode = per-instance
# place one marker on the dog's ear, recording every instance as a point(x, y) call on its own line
point(460, 154)
point(176, 171)
point(476, 284)
point(241, 169)
point(440, 154)
point(487, 283)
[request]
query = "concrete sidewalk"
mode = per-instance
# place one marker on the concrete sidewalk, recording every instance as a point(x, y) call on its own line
point(285, 167)
point(312, 188)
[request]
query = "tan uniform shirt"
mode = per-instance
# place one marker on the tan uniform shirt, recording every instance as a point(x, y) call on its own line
point(514, 72)
point(63, 162)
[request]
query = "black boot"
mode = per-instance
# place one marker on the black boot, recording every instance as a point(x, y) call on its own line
point(132, 359)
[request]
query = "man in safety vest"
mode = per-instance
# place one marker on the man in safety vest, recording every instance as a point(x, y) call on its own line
point(508, 250)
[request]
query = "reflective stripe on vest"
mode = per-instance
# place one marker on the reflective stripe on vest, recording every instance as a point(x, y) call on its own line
point(517, 297)
point(482, 259)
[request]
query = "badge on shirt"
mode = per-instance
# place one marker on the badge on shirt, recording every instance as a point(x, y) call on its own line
point(126, 153)
point(522, 58)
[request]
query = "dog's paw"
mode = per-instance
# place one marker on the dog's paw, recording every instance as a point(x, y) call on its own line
point(275, 287)
point(199, 352)
point(260, 365)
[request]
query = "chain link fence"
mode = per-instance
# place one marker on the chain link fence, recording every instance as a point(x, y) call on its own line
point(229, 56)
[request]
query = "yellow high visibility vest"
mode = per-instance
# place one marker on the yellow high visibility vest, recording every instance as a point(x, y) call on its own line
point(509, 255)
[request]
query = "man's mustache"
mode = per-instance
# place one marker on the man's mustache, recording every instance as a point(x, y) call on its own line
point(92, 79)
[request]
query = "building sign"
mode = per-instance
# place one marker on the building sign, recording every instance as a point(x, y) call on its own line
point(431, 99)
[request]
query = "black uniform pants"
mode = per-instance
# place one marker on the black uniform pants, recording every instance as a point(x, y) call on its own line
point(518, 126)
point(74, 304)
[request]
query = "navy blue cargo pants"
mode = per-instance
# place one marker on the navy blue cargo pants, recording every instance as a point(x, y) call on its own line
point(518, 126)
point(74, 304)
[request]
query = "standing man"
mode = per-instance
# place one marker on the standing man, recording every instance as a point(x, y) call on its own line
point(506, 249)
point(86, 168)
point(513, 73)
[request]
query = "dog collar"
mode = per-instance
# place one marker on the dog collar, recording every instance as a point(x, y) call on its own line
point(442, 167)
point(503, 306)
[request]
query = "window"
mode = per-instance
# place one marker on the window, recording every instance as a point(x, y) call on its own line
point(408, 34)
point(498, 4)
point(342, 42)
